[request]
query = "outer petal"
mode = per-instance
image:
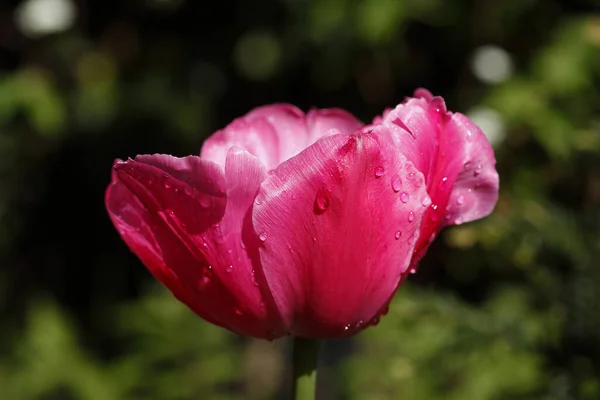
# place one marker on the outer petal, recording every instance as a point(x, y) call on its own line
point(184, 219)
point(338, 228)
point(454, 156)
point(276, 132)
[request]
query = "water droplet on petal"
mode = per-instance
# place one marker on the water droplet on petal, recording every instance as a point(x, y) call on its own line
point(257, 201)
point(404, 197)
point(467, 165)
point(321, 201)
point(426, 201)
point(205, 245)
point(411, 216)
point(458, 221)
point(413, 271)
point(397, 235)
point(460, 200)
point(262, 236)
point(470, 136)
point(410, 175)
point(238, 312)
point(347, 327)
point(396, 183)
point(379, 172)
point(229, 269)
point(443, 182)
point(438, 105)
point(477, 170)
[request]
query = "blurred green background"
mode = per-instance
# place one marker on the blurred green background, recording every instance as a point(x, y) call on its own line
point(505, 308)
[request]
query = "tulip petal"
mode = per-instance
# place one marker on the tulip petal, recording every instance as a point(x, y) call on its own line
point(194, 216)
point(338, 227)
point(454, 156)
point(276, 132)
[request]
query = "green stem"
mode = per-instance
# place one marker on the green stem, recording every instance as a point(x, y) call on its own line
point(306, 355)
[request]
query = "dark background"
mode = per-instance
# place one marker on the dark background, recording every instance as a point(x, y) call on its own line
point(504, 308)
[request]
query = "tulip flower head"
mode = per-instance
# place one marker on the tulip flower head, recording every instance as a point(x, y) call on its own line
point(303, 224)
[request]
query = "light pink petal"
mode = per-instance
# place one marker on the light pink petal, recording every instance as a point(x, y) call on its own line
point(257, 136)
point(276, 132)
point(194, 217)
point(327, 122)
point(338, 225)
point(454, 156)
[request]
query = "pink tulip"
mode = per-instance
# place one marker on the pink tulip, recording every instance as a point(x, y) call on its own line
point(303, 224)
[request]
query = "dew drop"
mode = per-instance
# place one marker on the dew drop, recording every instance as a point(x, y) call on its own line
point(411, 216)
point(257, 201)
point(410, 175)
point(426, 201)
point(238, 312)
point(205, 245)
point(347, 327)
point(229, 268)
point(397, 235)
point(379, 172)
point(205, 201)
point(470, 136)
point(467, 165)
point(321, 201)
point(396, 183)
point(438, 106)
point(458, 221)
point(413, 271)
point(262, 236)
point(404, 197)
point(444, 182)
point(375, 321)
point(460, 200)
point(477, 170)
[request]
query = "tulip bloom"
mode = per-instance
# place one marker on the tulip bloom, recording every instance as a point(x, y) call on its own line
point(303, 224)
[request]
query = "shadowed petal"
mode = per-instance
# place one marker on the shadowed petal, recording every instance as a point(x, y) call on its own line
point(192, 217)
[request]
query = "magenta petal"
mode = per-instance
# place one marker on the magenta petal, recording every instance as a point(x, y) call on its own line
point(475, 190)
point(193, 216)
point(276, 132)
point(338, 226)
point(454, 156)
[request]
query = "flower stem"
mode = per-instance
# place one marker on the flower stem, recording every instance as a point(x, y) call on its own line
point(306, 355)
